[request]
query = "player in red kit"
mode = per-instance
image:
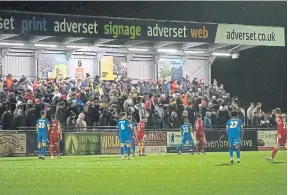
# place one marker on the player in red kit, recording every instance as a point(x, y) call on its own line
point(281, 139)
point(55, 137)
point(199, 134)
point(140, 136)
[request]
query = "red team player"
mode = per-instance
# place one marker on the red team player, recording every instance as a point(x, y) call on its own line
point(55, 137)
point(140, 136)
point(199, 134)
point(281, 139)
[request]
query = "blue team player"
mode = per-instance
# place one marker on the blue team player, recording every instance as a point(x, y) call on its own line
point(42, 126)
point(124, 134)
point(234, 129)
point(186, 132)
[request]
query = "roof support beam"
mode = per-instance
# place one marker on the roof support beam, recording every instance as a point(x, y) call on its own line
point(240, 48)
point(102, 41)
point(162, 44)
point(189, 45)
point(39, 38)
point(133, 42)
point(216, 46)
point(7, 36)
point(71, 39)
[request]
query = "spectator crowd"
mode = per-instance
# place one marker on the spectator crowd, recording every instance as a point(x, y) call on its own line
point(86, 103)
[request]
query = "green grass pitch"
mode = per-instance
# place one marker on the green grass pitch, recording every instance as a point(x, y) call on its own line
point(167, 174)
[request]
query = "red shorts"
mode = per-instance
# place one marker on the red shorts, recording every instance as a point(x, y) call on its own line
point(54, 140)
point(200, 136)
point(140, 137)
point(281, 141)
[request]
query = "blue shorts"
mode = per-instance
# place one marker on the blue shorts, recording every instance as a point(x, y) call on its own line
point(233, 140)
point(186, 138)
point(42, 138)
point(125, 140)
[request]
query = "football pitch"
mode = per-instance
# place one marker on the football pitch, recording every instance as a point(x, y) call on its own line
point(167, 174)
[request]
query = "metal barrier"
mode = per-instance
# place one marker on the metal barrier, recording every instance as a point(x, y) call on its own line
point(97, 141)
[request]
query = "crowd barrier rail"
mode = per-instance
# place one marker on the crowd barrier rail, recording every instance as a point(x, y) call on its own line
point(98, 140)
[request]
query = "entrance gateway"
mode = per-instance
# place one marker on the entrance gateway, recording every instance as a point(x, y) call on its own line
point(49, 45)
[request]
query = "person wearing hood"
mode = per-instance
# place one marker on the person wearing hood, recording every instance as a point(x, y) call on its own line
point(71, 121)
point(19, 120)
point(6, 119)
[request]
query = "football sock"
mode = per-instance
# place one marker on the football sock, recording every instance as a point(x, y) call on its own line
point(274, 152)
point(122, 150)
point(125, 148)
point(180, 148)
point(128, 151)
point(133, 147)
point(142, 150)
point(51, 150)
point(43, 150)
point(203, 146)
point(39, 151)
point(231, 151)
point(197, 147)
point(192, 146)
point(58, 150)
point(238, 153)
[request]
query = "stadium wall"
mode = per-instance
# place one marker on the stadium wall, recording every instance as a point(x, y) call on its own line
point(144, 69)
point(24, 143)
point(19, 64)
point(197, 68)
point(78, 66)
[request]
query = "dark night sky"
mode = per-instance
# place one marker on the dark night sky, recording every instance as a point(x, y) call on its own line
point(258, 75)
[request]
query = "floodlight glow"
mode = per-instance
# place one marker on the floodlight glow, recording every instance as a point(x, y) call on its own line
point(194, 52)
point(12, 44)
point(44, 45)
point(76, 46)
point(221, 54)
point(167, 50)
point(138, 49)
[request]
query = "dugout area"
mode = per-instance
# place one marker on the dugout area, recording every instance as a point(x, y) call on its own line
point(30, 44)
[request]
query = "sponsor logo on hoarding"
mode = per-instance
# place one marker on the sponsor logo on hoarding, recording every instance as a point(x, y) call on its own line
point(71, 144)
point(250, 35)
point(81, 143)
point(17, 141)
point(266, 139)
point(109, 143)
point(101, 27)
point(155, 149)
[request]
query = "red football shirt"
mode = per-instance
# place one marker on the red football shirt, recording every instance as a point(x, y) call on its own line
point(281, 126)
point(140, 128)
point(199, 127)
point(55, 128)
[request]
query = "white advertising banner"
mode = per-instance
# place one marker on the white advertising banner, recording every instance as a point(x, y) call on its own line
point(250, 35)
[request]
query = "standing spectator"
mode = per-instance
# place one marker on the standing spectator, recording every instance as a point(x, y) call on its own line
point(250, 113)
point(80, 123)
point(191, 114)
point(207, 122)
point(9, 81)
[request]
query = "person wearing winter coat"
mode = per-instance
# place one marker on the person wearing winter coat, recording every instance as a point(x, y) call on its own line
point(80, 123)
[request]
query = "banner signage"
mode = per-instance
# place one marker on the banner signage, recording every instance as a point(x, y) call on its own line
point(81, 143)
point(250, 35)
point(16, 141)
point(266, 139)
point(104, 27)
point(109, 143)
point(32, 145)
point(217, 141)
point(170, 69)
point(155, 142)
point(106, 68)
point(173, 142)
